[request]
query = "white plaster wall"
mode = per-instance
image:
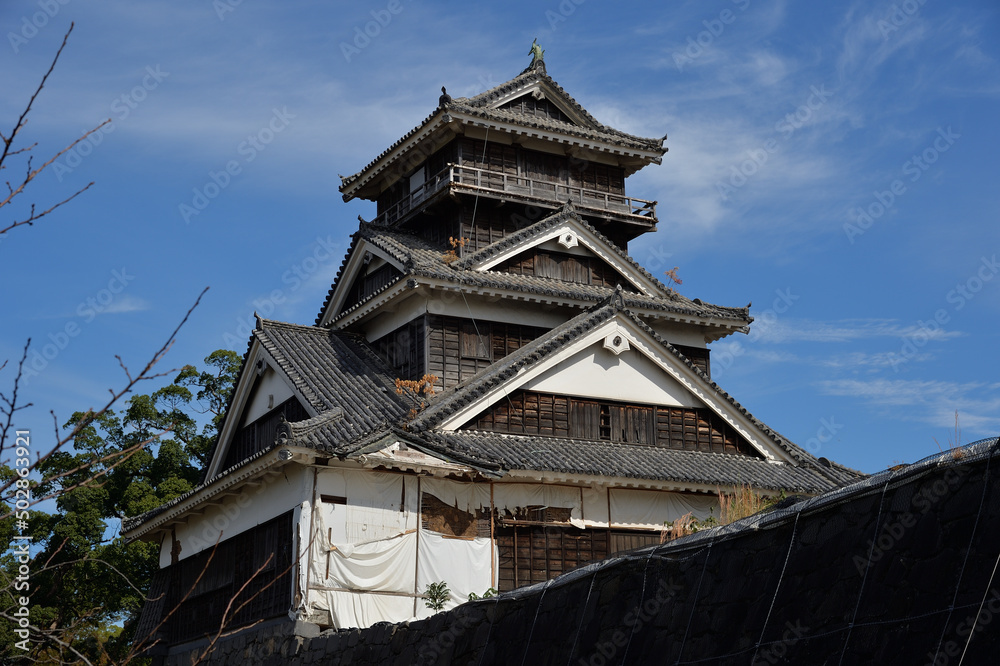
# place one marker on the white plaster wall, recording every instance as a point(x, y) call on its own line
point(513, 312)
point(253, 506)
point(366, 501)
point(678, 334)
point(405, 310)
point(271, 384)
point(628, 377)
point(634, 508)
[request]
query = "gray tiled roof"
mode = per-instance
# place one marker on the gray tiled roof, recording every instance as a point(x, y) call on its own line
point(339, 376)
point(338, 370)
point(332, 370)
point(573, 456)
point(421, 259)
point(479, 107)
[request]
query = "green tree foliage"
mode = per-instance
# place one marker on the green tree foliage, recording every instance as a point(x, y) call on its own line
point(85, 580)
point(436, 595)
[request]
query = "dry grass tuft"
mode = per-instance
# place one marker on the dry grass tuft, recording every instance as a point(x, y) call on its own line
point(742, 502)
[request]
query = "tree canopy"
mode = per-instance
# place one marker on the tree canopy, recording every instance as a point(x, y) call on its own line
point(85, 579)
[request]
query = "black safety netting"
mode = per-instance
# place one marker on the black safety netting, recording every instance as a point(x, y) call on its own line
point(898, 568)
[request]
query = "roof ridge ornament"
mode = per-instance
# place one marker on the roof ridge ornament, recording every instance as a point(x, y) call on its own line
point(618, 298)
point(537, 56)
point(445, 98)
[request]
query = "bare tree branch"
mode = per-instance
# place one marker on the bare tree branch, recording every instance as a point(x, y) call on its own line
point(10, 406)
point(7, 150)
point(51, 636)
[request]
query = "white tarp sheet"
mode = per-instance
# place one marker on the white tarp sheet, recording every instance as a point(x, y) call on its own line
point(651, 508)
point(373, 506)
point(468, 497)
point(465, 564)
point(368, 560)
point(353, 609)
point(385, 565)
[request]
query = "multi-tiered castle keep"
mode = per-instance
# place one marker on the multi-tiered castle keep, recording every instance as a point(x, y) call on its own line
point(493, 392)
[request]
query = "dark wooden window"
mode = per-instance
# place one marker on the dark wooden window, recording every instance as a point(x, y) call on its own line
point(367, 284)
point(494, 159)
point(475, 340)
point(683, 428)
point(260, 435)
point(698, 430)
point(585, 419)
point(196, 591)
point(457, 349)
point(525, 413)
point(698, 357)
point(600, 178)
point(485, 224)
point(540, 108)
point(565, 267)
point(403, 349)
point(535, 553)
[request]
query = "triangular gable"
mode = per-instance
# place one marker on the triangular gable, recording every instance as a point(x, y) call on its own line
point(363, 260)
point(261, 387)
point(539, 98)
point(535, 82)
point(565, 232)
point(601, 362)
point(535, 104)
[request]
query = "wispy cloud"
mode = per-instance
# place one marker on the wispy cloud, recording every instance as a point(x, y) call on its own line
point(928, 401)
point(125, 304)
point(787, 330)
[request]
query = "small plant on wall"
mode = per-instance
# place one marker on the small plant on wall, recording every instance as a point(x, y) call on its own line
point(436, 595)
point(672, 279)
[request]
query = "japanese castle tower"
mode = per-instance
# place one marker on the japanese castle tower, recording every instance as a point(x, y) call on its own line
point(493, 392)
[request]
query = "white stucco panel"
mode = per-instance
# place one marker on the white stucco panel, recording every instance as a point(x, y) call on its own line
point(252, 506)
point(627, 377)
point(271, 392)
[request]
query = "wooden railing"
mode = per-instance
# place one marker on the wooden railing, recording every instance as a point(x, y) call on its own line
point(521, 186)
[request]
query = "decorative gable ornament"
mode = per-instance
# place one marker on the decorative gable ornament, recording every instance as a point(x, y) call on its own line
point(568, 240)
point(616, 342)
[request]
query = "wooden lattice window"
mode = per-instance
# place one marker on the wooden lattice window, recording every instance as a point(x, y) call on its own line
point(196, 591)
point(685, 428)
point(403, 349)
point(261, 434)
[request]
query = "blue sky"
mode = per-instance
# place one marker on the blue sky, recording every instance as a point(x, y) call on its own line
point(833, 163)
